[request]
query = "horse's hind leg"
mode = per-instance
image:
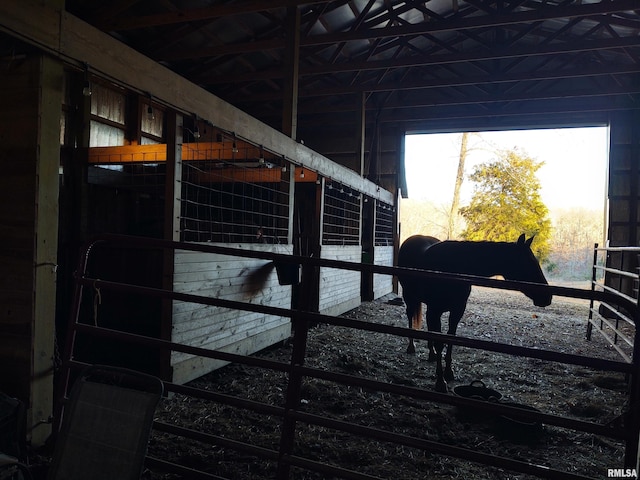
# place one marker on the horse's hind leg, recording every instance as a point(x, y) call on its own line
point(454, 318)
point(434, 325)
point(414, 314)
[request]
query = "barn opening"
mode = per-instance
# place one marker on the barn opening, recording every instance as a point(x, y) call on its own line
point(573, 177)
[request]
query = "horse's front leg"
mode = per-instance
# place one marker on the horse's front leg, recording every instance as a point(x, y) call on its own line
point(434, 325)
point(433, 356)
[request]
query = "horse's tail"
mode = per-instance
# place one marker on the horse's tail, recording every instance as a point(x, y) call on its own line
point(416, 321)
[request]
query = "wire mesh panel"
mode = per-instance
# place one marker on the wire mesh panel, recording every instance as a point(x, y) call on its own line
point(342, 215)
point(127, 198)
point(384, 228)
point(233, 192)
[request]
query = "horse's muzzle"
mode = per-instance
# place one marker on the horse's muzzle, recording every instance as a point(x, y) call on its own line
point(542, 302)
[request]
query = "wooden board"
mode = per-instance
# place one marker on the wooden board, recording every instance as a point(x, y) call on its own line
point(382, 284)
point(231, 278)
point(339, 289)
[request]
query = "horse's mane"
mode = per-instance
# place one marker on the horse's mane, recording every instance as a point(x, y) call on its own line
point(478, 242)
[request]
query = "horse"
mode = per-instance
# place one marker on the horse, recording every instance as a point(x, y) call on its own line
point(511, 260)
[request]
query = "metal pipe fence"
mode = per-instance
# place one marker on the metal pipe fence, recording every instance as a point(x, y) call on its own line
point(615, 271)
point(291, 413)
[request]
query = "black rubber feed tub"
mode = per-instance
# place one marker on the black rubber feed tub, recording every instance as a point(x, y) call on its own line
point(476, 390)
point(510, 426)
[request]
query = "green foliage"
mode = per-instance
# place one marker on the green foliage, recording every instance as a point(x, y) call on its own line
point(506, 203)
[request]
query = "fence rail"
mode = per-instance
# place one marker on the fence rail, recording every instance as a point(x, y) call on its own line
point(291, 413)
point(615, 271)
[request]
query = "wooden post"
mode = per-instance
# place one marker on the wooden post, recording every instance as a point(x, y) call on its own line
point(46, 247)
point(361, 125)
point(294, 386)
point(31, 95)
point(291, 67)
point(171, 229)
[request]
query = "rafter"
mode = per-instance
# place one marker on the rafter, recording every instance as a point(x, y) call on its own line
point(416, 83)
point(486, 21)
point(461, 24)
point(197, 14)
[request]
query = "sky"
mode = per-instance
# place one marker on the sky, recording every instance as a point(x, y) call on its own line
point(573, 174)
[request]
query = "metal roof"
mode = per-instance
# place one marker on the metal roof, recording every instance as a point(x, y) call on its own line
point(413, 60)
point(419, 64)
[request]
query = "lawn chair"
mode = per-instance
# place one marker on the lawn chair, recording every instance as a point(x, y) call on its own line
point(12, 469)
point(12, 439)
point(106, 425)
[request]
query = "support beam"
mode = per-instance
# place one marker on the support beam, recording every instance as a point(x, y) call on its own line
point(46, 247)
point(361, 124)
point(31, 95)
point(291, 68)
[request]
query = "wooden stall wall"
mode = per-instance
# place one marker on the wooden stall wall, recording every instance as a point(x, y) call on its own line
point(31, 96)
point(229, 278)
point(339, 289)
point(382, 284)
point(384, 246)
point(341, 239)
point(232, 194)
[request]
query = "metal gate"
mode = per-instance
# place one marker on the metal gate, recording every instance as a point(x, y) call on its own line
point(291, 412)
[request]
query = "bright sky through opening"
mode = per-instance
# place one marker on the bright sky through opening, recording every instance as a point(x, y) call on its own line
point(573, 174)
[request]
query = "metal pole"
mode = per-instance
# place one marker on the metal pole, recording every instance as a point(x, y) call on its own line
point(301, 326)
point(593, 288)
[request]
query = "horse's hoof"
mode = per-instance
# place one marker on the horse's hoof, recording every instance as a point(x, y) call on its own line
point(442, 387)
point(411, 348)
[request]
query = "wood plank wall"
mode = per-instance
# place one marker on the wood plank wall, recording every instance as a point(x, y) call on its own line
point(382, 284)
point(230, 278)
point(339, 289)
point(31, 97)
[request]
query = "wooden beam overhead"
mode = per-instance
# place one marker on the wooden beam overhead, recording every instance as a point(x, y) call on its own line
point(200, 14)
point(200, 151)
point(128, 154)
point(417, 29)
point(475, 22)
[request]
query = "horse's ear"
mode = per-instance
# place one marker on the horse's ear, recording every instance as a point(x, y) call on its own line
point(522, 241)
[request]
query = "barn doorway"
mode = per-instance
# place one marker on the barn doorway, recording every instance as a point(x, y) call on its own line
point(573, 179)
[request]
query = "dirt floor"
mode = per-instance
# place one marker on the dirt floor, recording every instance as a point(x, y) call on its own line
point(493, 315)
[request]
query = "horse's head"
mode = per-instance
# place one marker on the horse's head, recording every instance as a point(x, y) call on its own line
point(524, 267)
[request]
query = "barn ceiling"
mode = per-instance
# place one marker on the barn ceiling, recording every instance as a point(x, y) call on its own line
point(411, 61)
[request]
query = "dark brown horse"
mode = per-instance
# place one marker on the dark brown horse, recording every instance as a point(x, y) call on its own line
point(513, 261)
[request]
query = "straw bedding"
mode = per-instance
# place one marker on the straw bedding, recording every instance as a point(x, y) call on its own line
point(493, 315)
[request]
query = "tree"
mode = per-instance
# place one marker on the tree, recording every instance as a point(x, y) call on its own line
point(575, 231)
point(506, 202)
point(422, 217)
point(455, 203)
